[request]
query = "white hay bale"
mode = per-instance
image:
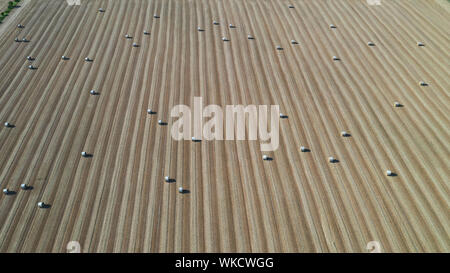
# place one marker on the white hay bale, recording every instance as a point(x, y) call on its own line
point(24, 186)
point(166, 178)
point(6, 191)
point(389, 173)
point(331, 159)
point(303, 149)
point(7, 124)
point(84, 154)
point(180, 190)
point(294, 42)
point(335, 58)
point(420, 44)
point(93, 92)
point(397, 104)
point(370, 43)
point(279, 47)
point(215, 23)
point(265, 157)
point(250, 37)
point(41, 205)
point(332, 26)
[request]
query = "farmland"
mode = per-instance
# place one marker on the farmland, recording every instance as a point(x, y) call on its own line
point(3, 4)
point(117, 200)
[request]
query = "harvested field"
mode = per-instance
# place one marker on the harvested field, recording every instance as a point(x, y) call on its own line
point(117, 200)
point(3, 4)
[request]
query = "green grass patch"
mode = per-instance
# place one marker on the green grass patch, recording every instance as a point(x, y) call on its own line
point(11, 5)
